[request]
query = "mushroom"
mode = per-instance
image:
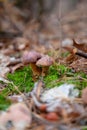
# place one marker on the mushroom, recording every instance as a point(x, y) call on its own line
point(31, 58)
point(45, 62)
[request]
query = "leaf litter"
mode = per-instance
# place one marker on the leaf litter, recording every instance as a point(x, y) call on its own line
point(30, 110)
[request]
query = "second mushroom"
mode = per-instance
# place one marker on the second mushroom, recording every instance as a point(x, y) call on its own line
point(45, 62)
point(39, 63)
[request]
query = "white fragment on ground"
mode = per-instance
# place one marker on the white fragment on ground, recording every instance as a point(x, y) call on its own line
point(67, 42)
point(4, 80)
point(4, 62)
point(16, 98)
point(17, 117)
point(63, 91)
point(4, 71)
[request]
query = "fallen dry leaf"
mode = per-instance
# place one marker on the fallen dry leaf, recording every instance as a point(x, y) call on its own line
point(81, 46)
point(79, 65)
point(71, 58)
point(14, 68)
point(17, 116)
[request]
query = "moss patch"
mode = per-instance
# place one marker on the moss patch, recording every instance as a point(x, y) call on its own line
point(57, 75)
point(22, 79)
point(61, 74)
point(4, 103)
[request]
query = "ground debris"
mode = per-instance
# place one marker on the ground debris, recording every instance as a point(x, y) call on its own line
point(16, 117)
point(41, 109)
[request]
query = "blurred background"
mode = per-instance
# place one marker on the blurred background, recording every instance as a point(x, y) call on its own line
point(43, 21)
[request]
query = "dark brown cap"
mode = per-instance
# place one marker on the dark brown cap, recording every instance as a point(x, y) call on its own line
point(31, 57)
point(45, 61)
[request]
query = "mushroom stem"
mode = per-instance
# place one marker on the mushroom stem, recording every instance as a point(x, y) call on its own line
point(45, 70)
point(36, 70)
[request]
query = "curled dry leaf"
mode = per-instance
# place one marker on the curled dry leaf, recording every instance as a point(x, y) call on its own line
point(18, 66)
point(81, 46)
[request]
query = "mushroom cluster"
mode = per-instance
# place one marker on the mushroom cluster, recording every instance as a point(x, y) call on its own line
point(39, 63)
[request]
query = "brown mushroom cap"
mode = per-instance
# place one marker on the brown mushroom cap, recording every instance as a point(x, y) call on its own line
point(31, 57)
point(45, 61)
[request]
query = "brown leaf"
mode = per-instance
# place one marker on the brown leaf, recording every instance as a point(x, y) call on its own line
point(71, 49)
point(81, 46)
point(14, 68)
point(71, 58)
point(79, 65)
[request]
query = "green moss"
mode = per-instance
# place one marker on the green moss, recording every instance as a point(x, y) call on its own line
point(22, 79)
point(57, 75)
point(65, 54)
point(84, 128)
point(61, 74)
point(4, 103)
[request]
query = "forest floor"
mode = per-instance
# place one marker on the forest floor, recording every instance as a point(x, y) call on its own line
point(57, 99)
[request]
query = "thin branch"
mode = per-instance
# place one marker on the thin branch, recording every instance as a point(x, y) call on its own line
point(76, 51)
point(81, 53)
